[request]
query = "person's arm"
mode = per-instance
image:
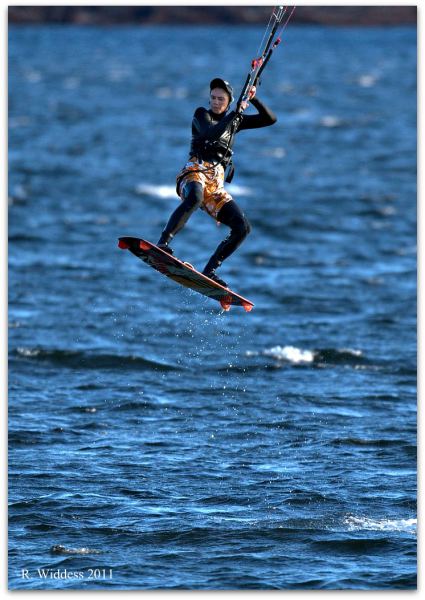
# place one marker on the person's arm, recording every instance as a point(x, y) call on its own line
point(264, 118)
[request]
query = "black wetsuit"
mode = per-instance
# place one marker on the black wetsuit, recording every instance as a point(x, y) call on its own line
point(212, 141)
point(213, 135)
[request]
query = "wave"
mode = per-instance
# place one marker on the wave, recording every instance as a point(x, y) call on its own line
point(75, 359)
point(59, 549)
point(210, 536)
point(378, 442)
point(402, 525)
point(24, 237)
point(292, 355)
point(354, 545)
point(246, 529)
point(300, 356)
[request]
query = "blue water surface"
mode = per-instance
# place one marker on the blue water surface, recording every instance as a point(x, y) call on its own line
point(157, 442)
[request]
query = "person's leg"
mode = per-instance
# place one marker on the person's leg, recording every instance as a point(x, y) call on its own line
point(192, 196)
point(232, 216)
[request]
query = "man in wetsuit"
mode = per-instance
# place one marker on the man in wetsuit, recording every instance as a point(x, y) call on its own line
point(200, 184)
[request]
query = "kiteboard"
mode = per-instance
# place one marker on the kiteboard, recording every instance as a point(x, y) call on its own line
point(183, 273)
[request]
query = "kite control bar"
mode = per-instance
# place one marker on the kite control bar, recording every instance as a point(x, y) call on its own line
point(268, 44)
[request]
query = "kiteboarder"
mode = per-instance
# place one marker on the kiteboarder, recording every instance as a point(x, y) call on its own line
point(200, 184)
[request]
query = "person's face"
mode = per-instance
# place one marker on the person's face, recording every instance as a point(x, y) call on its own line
point(219, 101)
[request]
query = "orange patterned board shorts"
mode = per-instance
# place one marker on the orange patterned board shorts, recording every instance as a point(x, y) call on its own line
point(212, 180)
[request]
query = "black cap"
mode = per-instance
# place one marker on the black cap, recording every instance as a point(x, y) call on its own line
point(223, 85)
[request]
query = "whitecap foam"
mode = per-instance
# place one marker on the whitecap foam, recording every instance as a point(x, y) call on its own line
point(291, 354)
point(330, 121)
point(352, 351)
point(356, 523)
point(239, 190)
point(367, 80)
point(169, 191)
point(28, 351)
point(158, 191)
point(59, 549)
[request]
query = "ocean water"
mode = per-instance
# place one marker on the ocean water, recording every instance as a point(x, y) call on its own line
point(155, 441)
